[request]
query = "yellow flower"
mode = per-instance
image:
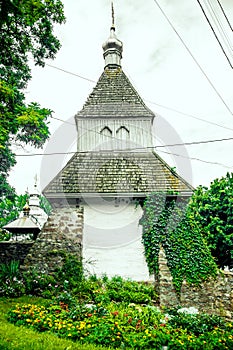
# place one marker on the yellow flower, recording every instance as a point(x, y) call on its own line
point(69, 335)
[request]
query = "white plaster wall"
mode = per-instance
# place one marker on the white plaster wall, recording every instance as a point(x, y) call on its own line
point(112, 239)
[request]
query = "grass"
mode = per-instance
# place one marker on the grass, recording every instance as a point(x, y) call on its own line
point(22, 338)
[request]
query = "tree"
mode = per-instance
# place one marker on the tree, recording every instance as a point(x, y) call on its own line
point(26, 28)
point(212, 209)
point(9, 211)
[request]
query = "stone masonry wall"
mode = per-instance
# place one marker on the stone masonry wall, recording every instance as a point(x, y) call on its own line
point(61, 234)
point(14, 251)
point(214, 296)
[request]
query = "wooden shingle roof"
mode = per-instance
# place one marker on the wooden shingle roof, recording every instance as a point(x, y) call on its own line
point(115, 172)
point(114, 96)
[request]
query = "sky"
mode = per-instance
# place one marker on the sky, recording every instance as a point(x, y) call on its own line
point(178, 68)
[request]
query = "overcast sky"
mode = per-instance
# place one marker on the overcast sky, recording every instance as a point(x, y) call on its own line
point(160, 68)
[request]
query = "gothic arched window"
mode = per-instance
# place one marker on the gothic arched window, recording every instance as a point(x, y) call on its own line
point(106, 139)
point(106, 131)
point(122, 133)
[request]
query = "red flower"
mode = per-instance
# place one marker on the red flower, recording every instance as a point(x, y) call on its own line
point(115, 313)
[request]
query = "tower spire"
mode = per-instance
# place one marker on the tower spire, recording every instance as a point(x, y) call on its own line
point(113, 18)
point(113, 47)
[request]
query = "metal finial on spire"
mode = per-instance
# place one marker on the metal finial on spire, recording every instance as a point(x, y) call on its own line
point(36, 180)
point(113, 46)
point(113, 19)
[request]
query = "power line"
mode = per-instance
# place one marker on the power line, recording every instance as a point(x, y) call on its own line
point(198, 159)
point(61, 120)
point(157, 104)
point(65, 71)
point(131, 149)
point(115, 138)
point(219, 22)
point(225, 15)
point(216, 37)
point(190, 115)
point(195, 60)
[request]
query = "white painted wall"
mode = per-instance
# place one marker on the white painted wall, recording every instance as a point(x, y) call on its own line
point(112, 239)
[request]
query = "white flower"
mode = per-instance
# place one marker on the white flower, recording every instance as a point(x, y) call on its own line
point(188, 310)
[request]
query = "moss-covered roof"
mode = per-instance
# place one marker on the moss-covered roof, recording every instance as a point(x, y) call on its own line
point(114, 96)
point(115, 172)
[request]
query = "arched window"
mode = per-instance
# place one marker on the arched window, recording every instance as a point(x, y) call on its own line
point(106, 140)
point(106, 131)
point(122, 133)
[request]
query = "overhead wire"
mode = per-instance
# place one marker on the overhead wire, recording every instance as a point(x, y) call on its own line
point(225, 15)
point(193, 57)
point(138, 148)
point(65, 71)
point(190, 115)
point(197, 159)
point(98, 132)
point(149, 101)
point(216, 36)
point(154, 147)
point(222, 30)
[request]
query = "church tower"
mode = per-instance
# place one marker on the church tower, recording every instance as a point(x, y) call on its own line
point(113, 169)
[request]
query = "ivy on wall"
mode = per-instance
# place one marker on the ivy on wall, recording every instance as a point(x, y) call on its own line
point(168, 222)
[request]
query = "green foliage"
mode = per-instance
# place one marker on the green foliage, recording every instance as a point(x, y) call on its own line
point(121, 290)
point(26, 28)
point(11, 281)
point(126, 326)
point(9, 211)
point(39, 284)
point(102, 291)
point(170, 223)
point(66, 279)
point(213, 212)
point(44, 204)
point(20, 338)
point(71, 272)
point(10, 270)
point(197, 324)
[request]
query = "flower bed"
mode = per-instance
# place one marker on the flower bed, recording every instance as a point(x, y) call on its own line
point(124, 325)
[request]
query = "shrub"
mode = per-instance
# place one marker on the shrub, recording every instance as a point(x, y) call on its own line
point(39, 284)
point(11, 282)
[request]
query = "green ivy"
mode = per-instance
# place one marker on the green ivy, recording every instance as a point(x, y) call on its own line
point(168, 222)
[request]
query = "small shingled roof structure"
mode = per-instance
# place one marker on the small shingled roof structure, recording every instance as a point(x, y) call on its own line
point(23, 225)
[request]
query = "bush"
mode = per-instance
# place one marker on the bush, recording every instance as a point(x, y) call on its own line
point(39, 284)
point(11, 281)
point(71, 271)
point(130, 291)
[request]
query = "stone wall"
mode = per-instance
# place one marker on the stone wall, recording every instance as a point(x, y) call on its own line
point(61, 235)
point(214, 296)
point(14, 251)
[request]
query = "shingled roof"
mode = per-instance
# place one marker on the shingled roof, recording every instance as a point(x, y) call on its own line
point(114, 96)
point(115, 172)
